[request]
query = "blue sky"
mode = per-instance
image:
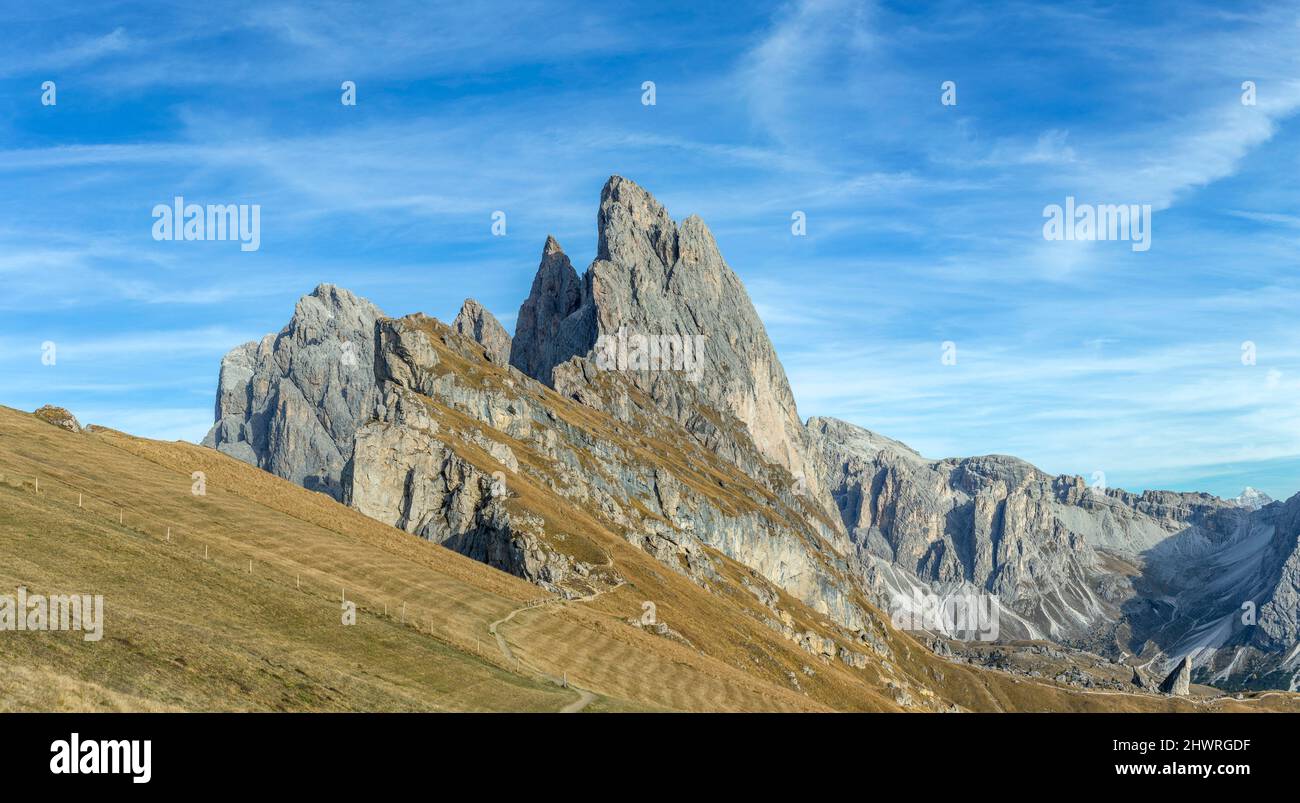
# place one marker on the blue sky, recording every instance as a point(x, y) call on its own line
point(924, 220)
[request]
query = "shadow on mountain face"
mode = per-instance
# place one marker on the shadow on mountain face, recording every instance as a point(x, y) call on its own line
point(1193, 584)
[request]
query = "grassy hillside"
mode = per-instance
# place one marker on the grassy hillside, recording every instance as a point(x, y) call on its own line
point(231, 600)
point(187, 631)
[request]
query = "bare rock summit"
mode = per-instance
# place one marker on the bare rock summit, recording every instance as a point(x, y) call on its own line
point(660, 281)
point(554, 323)
point(291, 403)
point(476, 322)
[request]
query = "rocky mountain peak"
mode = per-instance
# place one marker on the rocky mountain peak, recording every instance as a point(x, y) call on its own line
point(634, 229)
point(290, 403)
point(552, 247)
point(833, 437)
point(551, 327)
point(329, 308)
point(655, 279)
point(1252, 499)
point(475, 322)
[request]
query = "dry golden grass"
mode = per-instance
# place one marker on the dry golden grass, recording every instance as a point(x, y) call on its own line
point(187, 632)
point(194, 633)
point(200, 633)
point(29, 688)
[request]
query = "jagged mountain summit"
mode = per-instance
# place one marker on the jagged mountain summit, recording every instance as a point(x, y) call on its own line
point(655, 278)
point(552, 324)
point(644, 400)
point(291, 403)
point(1252, 499)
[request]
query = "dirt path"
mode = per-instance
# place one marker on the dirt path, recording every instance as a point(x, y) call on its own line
point(501, 640)
point(585, 697)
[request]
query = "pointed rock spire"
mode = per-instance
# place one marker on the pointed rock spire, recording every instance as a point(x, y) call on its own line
point(633, 228)
point(652, 279)
point(1179, 681)
point(552, 326)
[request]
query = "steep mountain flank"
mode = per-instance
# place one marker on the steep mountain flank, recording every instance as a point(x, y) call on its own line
point(425, 617)
point(1229, 598)
point(991, 525)
point(497, 466)
point(1279, 607)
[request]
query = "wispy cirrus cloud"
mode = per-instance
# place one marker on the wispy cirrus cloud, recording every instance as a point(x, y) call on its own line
point(924, 220)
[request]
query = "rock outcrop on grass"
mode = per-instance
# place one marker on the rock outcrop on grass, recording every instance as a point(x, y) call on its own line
point(1179, 681)
point(59, 417)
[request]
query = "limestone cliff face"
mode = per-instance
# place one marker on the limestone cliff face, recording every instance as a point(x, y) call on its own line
point(402, 474)
point(1279, 607)
point(654, 278)
point(993, 524)
point(292, 402)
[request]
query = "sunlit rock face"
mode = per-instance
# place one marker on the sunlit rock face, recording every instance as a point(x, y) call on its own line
point(291, 403)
